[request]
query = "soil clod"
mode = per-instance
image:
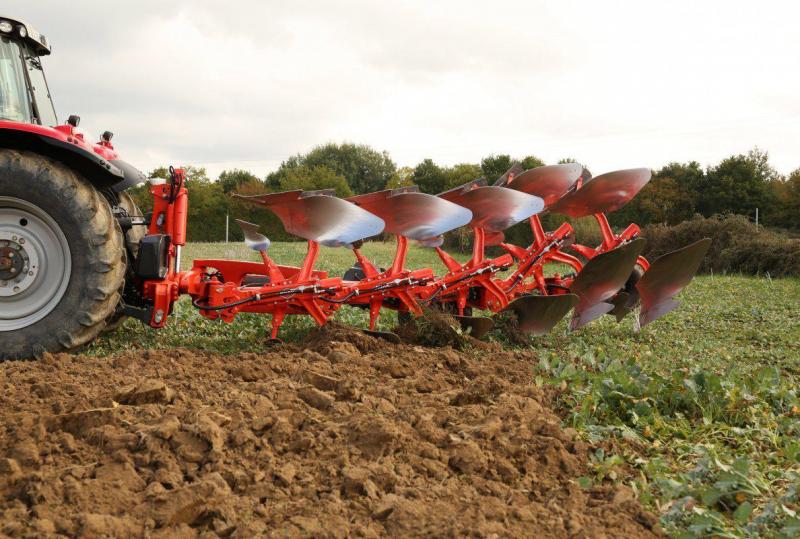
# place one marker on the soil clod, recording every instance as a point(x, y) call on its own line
point(350, 436)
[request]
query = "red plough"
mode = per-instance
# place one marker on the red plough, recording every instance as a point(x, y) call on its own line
point(610, 278)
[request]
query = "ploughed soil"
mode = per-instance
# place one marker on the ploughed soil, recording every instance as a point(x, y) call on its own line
point(345, 436)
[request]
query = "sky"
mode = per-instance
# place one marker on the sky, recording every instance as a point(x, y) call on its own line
point(246, 84)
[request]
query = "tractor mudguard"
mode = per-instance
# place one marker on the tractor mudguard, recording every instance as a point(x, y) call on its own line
point(102, 173)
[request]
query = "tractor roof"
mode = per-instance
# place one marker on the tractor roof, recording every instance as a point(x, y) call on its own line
point(27, 33)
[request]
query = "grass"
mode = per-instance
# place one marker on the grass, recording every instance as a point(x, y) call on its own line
point(700, 407)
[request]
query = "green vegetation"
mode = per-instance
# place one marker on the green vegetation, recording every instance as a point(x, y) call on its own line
point(701, 408)
point(739, 246)
point(702, 405)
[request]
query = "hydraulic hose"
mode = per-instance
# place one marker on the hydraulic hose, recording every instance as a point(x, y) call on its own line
point(256, 297)
point(196, 304)
point(341, 300)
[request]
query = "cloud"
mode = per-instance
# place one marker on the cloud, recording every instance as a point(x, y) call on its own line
point(246, 84)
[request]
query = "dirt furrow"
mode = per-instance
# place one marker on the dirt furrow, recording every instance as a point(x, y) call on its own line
point(347, 436)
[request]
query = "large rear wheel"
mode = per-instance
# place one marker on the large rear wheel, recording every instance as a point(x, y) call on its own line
point(132, 237)
point(61, 257)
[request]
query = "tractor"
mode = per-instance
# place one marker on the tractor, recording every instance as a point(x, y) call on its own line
point(68, 230)
point(77, 256)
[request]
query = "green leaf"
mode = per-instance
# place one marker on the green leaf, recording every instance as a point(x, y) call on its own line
point(791, 528)
point(584, 482)
point(742, 513)
point(711, 495)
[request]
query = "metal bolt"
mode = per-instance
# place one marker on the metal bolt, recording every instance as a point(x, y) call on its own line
point(21, 241)
point(16, 289)
point(159, 316)
point(30, 273)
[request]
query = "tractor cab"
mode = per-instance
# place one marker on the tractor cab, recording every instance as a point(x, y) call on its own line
point(24, 95)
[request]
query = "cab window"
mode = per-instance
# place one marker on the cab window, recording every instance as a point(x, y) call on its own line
point(41, 93)
point(15, 103)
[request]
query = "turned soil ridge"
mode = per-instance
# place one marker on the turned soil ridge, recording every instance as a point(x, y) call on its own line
point(344, 436)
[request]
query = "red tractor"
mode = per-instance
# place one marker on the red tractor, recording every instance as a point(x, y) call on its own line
point(67, 228)
point(77, 256)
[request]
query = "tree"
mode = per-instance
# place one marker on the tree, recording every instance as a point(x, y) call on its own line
point(670, 197)
point(689, 176)
point(739, 184)
point(312, 179)
point(495, 166)
point(364, 168)
point(663, 200)
point(429, 177)
point(208, 207)
point(230, 180)
point(461, 174)
point(403, 177)
point(787, 196)
point(530, 161)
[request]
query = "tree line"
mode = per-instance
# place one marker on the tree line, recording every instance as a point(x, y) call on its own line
point(737, 185)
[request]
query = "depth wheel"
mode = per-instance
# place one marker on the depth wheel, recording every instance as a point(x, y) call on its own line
point(61, 257)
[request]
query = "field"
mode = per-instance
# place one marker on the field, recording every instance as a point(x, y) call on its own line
point(697, 416)
point(689, 401)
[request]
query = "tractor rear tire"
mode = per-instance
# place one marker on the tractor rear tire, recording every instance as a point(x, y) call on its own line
point(73, 253)
point(135, 233)
point(132, 238)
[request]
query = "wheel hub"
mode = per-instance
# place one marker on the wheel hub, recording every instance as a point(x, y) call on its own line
point(14, 265)
point(18, 266)
point(35, 263)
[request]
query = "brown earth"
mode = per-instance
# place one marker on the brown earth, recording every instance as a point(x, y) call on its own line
point(350, 436)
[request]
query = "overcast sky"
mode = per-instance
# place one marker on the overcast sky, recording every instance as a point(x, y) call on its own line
point(245, 84)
